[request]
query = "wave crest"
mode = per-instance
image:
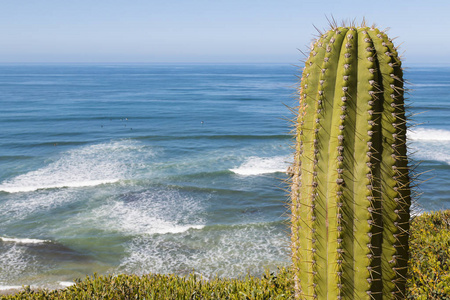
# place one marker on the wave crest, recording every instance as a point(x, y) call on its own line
point(424, 134)
point(87, 166)
point(149, 212)
point(23, 240)
point(262, 165)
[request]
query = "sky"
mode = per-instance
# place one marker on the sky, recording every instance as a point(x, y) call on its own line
point(205, 31)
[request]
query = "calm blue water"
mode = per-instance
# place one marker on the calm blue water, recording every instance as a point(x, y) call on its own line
point(164, 168)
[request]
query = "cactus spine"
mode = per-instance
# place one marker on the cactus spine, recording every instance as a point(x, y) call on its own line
point(350, 195)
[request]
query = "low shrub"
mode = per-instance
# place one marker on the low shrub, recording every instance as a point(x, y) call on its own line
point(157, 286)
point(429, 264)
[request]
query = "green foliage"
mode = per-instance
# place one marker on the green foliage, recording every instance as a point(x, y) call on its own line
point(350, 195)
point(156, 286)
point(429, 264)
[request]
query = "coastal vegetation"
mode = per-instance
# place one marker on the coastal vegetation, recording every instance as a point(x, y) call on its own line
point(428, 276)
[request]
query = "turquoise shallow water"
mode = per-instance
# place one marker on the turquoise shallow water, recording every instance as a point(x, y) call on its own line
point(164, 168)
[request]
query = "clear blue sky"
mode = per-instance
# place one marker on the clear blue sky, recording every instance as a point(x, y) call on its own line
point(206, 30)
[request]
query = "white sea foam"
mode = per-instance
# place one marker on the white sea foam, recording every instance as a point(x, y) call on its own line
point(424, 134)
point(13, 263)
point(149, 212)
point(19, 189)
point(23, 240)
point(213, 251)
point(137, 219)
point(66, 283)
point(86, 166)
point(20, 206)
point(431, 151)
point(14, 288)
point(262, 165)
point(430, 144)
point(10, 287)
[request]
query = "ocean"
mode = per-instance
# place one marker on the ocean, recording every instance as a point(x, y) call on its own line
point(167, 168)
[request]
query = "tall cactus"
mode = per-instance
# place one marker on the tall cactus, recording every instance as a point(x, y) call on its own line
point(350, 195)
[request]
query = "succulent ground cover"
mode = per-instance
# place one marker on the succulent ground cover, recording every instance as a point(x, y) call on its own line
point(429, 264)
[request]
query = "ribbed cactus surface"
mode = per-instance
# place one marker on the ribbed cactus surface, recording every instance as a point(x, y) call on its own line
point(350, 195)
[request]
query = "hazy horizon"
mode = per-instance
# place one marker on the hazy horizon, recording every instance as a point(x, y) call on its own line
point(201, 31)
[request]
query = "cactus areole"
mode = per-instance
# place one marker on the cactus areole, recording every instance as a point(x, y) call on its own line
point(350, 195)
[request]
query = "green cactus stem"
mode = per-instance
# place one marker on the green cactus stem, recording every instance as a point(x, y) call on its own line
point(350, 194)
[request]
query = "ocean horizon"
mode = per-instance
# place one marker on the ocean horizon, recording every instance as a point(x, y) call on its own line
point(167, 168)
